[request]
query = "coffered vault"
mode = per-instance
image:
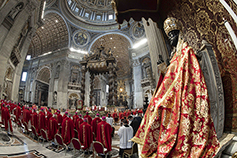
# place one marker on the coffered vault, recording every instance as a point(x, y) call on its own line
point(51, 36)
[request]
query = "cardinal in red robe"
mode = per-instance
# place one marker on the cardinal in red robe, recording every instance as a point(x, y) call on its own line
point(104, 132)
point(120, 115)
point(59, 117)
point(41, 120)
point(67, 129)
point(26, 115)
point(48, 115)
point(17, 112)
point(7, 119)
point(125, 113)
point(78, 122)
point(115, 116)
point(94, 124)
point(12, 106)
point(53, 127)
point(85, 134)
point(88, 117)
point(65, 115)
point(128, 113)
point(2, 111)
point(34, 119)
point(74, 118)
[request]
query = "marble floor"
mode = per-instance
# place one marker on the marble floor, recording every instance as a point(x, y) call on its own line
point(32, 145)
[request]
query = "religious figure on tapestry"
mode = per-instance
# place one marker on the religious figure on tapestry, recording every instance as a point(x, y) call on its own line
point(177, 122)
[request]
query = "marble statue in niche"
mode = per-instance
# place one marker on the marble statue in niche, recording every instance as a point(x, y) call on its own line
point(16, 10)
point(73, 98)
point(54, 97)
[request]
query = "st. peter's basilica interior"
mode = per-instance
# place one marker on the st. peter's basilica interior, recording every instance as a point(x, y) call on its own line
point(85, 54)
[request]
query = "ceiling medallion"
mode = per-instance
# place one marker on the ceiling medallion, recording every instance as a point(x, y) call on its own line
point(138, 31)
point(81, 38)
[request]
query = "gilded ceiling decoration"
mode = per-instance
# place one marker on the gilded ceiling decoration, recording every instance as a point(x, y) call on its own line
point(51, 36)
point(119, 46)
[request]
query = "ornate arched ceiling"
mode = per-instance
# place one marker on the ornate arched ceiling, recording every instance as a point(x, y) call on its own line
point(119, 46)
point(44, 75)
point(51, 36)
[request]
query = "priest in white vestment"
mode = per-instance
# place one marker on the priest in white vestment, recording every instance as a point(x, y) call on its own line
point(125, 133)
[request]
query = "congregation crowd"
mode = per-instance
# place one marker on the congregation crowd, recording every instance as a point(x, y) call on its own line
point(85, 128)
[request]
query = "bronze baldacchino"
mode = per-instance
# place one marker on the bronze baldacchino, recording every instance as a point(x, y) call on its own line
point(177, 122)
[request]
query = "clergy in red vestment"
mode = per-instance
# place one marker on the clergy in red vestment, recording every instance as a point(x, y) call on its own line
point(48, 115)
point(53, 127)
point(74, 118)
point(115, 116)
point(79, 122)
point(34, 119)
point(177, 122)
point(41, 120)
point(125, 113)
point(2, 111)
point(128, 113)
point(94, 124)
point(7, 119)
point(17, 112)
point(88, 117)
point(26, 115)
point(12, 106)
point(85, 134)
point(104, 131)
point(120, 115)
point(65, 115)
point(67, 129)
point(59, 117)
point(140, 111)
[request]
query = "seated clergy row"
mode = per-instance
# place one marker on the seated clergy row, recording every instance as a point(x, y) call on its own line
point(87, 129)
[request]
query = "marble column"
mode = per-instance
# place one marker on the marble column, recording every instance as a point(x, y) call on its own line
point(92, 77)
point(51, 86)
point(156, 45)
point(63, 86)
point(83, 71)
point(137, 76)
point(111, 74)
